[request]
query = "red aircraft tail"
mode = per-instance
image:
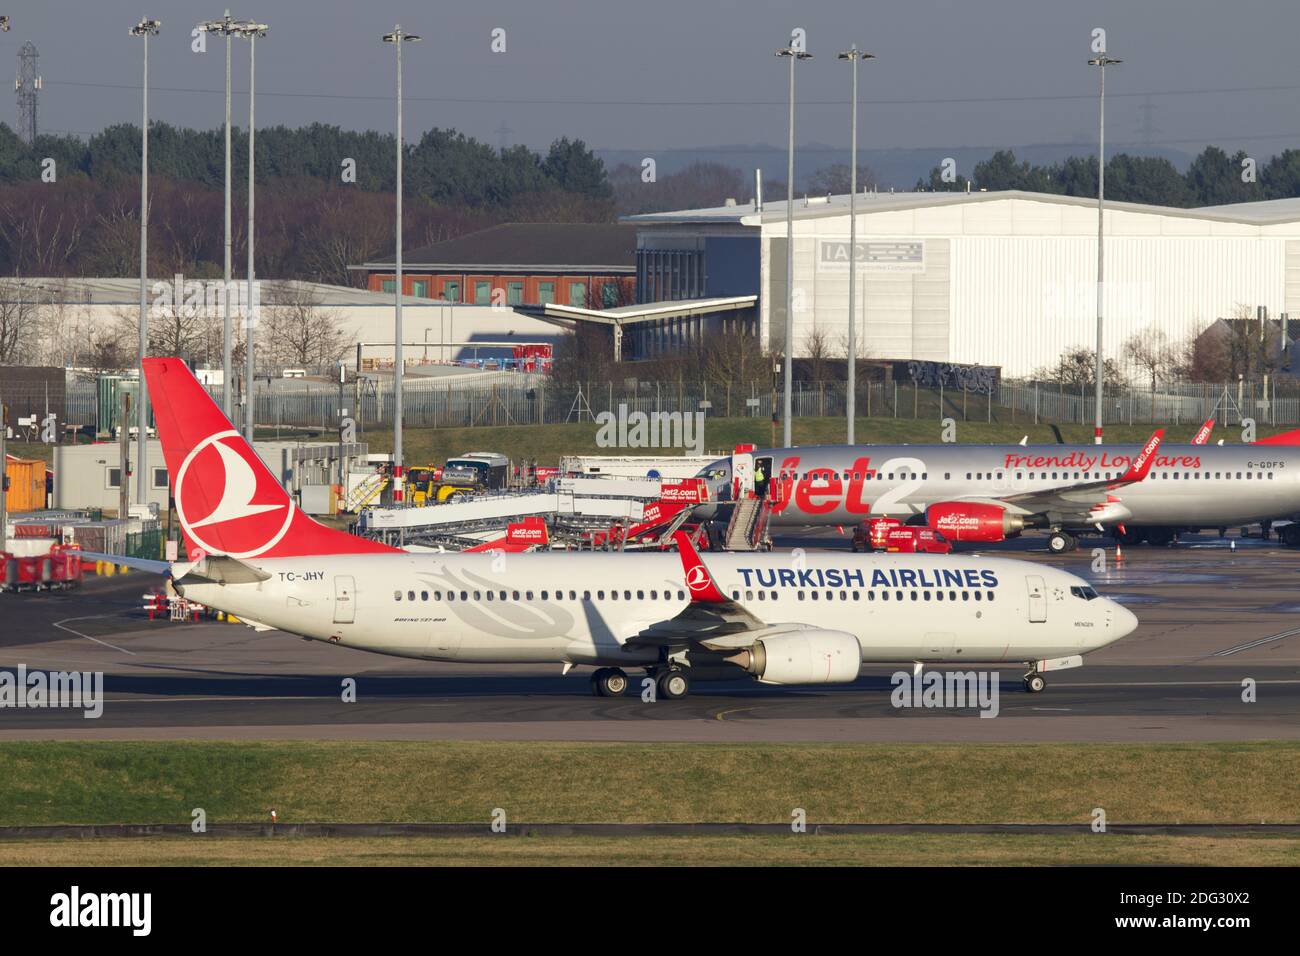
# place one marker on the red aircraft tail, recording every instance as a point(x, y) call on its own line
point(227, 500)
point(1286, 438)
point(698, 579)
point(1141, 465)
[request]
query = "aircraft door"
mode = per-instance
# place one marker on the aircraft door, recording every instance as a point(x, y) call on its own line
point(1037, 599)
point(345, 600)
point(763, 483)
point(742, 475)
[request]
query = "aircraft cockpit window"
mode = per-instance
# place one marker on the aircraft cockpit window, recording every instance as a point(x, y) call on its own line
point(1085, 592)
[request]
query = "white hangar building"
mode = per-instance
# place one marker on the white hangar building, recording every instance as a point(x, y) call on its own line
point(989, 278)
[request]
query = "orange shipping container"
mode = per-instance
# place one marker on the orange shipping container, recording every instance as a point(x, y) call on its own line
point(26, 484)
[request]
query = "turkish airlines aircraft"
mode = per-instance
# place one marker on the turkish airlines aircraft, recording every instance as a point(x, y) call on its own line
point(987, 493)
point(252, 553)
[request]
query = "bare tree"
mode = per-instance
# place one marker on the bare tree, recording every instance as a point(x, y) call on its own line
point(1077, 369)
point(106, 354)
point(819, 355)
point(1150, 351)
point(733, 358)
point(297, 332)
point(18, 322)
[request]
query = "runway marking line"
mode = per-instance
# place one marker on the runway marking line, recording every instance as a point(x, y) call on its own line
point(1229, 651)
point(722, 714)
point(88, 617)
point(1175, 683)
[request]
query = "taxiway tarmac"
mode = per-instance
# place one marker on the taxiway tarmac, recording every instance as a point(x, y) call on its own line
point(1210, 618)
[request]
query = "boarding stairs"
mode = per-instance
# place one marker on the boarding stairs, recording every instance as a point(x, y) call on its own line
point(366, 492)
point(748, 525)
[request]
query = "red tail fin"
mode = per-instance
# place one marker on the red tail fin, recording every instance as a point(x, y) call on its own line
point(1286, 438)
point(1203, 433)
point(698, 579)
point(1141, 465)
point(227, 500)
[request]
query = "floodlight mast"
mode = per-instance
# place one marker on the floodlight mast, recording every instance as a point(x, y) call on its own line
point(1102, 61)
point(397, 38)
point(853, 55)
point(794, 53)
point(146, 28)
point(226, 27)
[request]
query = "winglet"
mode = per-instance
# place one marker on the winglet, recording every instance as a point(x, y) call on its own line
point(698, 580)
point(1141, 465)
point(1202, 435)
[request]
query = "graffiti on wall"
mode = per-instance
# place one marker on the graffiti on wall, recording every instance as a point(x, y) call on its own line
point(974, 378)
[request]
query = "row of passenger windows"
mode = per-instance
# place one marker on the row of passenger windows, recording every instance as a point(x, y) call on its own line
point(1020, 475)
point(451, 596)
point(528, 595)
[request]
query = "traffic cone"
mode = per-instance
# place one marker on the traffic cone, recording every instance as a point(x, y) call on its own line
point(1119, 553)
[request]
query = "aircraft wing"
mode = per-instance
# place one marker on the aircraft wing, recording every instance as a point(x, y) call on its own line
point(1079, 498)
point(140, 564)
point(711, 618)
point(220, 568)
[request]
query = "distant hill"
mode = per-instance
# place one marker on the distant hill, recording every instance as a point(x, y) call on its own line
point(897, 168)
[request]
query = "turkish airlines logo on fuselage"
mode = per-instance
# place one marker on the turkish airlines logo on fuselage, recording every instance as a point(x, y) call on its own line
point(227, 505)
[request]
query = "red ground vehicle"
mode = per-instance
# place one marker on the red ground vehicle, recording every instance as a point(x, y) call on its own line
point(913, 540)
point(57, 570)
point(870, 535)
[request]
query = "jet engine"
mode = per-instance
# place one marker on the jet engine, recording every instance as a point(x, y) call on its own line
point(803, 657)
point(971, 521)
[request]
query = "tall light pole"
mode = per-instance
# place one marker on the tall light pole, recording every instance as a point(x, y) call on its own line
point(250, 31)
point(794, 53)
point(226, 27)
point(853, 55)
point(1102, 61)
point(144, 29)
point(397, 38)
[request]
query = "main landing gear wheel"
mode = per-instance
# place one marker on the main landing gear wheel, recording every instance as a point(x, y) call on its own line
point(1034, 683)
point(1060, 542)
point(608, 682)
point(674, 685)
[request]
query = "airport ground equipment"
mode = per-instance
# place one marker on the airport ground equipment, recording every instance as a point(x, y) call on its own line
point(574, 510)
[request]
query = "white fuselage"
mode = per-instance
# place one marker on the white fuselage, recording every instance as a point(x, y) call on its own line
point(1188, 486)
point(583, 608)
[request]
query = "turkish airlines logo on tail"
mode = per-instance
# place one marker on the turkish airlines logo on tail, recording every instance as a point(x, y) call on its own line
point(246, 518)
point(697, 579)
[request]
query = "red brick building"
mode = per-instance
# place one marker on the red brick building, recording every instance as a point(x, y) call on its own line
point(589, 265)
